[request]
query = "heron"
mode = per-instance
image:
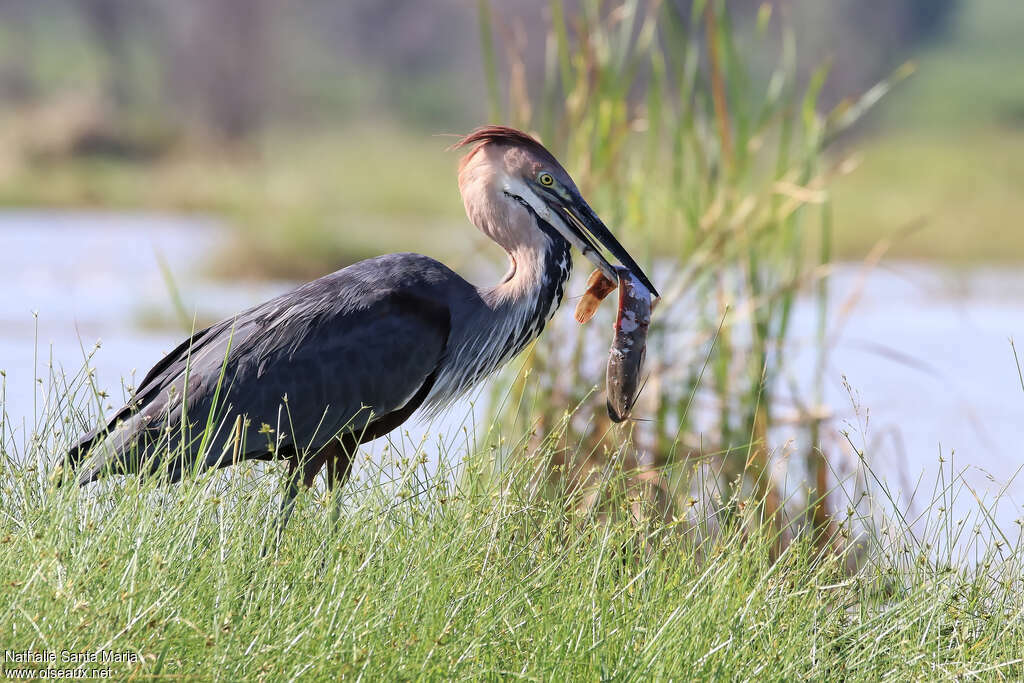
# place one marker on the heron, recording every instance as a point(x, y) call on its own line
point(309, 376)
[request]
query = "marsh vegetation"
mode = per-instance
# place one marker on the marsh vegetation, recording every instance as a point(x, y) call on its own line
point(736, 529)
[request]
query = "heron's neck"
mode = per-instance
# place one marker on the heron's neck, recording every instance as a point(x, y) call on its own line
point(533, 287)
point(510, 316)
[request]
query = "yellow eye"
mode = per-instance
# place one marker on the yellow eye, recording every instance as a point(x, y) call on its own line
point(545, 179)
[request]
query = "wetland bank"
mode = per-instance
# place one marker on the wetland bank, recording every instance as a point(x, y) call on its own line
point(832, 405)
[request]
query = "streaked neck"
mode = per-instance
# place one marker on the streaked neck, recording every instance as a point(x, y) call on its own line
point(535, 281)
point(513, 313)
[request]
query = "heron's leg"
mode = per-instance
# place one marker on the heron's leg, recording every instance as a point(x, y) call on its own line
point(302, 471)
point(339, 455)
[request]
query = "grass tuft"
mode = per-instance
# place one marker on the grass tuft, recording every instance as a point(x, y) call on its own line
point(455, 561)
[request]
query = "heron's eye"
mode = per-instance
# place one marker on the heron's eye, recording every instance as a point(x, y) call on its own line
point(545, 179)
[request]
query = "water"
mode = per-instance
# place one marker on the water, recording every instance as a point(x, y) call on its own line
point(922, 374)
point(929, 353)
point(75, 279)
point(924, 351)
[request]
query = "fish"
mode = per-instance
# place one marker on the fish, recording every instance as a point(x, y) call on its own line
point(629, 344)
point(598, 287)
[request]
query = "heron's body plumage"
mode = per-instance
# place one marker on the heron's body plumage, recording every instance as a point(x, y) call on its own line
point(311, 374)
point(306, 365)
point(337, 354)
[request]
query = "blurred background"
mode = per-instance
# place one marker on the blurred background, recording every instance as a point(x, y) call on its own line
point(832, 191)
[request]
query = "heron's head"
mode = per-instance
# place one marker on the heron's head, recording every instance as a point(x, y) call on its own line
point(510, 182)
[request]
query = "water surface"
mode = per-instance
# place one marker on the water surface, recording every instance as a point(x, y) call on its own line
point(920, 363)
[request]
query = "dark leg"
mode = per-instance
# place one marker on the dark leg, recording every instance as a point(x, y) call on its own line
point(302, 471)
point(339, 455)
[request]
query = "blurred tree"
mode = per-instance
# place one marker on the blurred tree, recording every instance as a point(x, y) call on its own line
point(111, 22)
point(16, 82)
point(930, 17)
point(216, 62)
point(862, 40)
point(228, 67)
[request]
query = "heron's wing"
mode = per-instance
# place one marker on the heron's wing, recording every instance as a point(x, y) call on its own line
point(334, 355)
point(171, 365)
point(303, 387)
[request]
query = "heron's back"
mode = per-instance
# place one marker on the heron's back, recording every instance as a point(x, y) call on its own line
point(333, 355)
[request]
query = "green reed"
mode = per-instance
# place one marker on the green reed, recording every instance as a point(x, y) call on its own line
point(716, 178)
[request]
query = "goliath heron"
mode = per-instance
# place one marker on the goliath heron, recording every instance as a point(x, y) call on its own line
point(310, 375)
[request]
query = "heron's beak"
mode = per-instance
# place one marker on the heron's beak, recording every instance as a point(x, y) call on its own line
point(589, 235)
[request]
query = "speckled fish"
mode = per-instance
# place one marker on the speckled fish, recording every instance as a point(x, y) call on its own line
point(626, 356)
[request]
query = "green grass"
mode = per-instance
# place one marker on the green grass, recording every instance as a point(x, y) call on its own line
point(481, 574)
point(474, 569)
point(508, 568)
point(954, 200)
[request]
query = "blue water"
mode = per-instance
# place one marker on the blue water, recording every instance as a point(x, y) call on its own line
point(77, 279)
point(920, 362)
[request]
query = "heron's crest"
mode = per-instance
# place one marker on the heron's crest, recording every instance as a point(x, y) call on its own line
point(504, 135)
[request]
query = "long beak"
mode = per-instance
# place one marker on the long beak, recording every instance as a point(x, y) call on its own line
point(591, 234)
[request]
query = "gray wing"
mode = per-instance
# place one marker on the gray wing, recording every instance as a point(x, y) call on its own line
point(340, 354)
